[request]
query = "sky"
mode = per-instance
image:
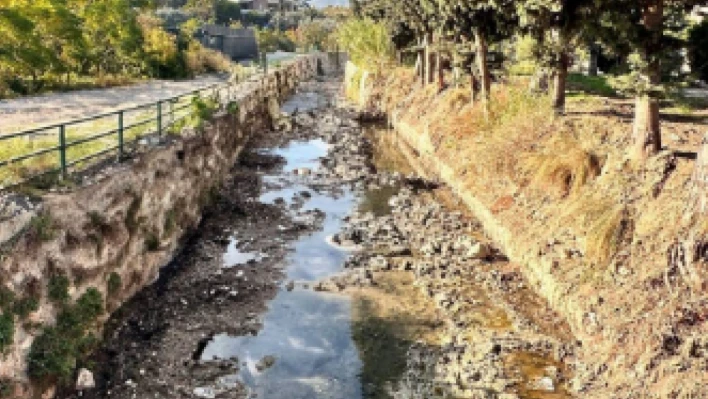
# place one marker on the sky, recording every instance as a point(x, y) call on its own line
point(325, 3)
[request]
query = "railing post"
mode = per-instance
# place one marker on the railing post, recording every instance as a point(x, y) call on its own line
point(62, 151)
point(121, 139)
point(159, 118)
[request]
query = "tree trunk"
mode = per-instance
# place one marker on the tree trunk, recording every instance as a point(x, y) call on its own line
point(441, 71)
point(485, 79)
point(594, 54)
point(429, 60)
point(560, 79)
point(647, 128)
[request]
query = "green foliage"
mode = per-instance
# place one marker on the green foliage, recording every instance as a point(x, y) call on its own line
point(233, 108)
point(170, 222)
point(227, 12)
point(597, 85)
point(55, 352)
point(7, 298)
point(115, 283)
point(271, 40)
point(367, 42)
point(23, 307)
point(152, 242)
point(58, 288)
point(42, 227)
point(7, 330)
point(698, 50)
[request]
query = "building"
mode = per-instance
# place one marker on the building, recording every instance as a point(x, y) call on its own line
point(239, 44)
point(271, 5)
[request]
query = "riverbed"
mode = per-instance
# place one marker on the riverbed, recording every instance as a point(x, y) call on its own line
point(325, 267)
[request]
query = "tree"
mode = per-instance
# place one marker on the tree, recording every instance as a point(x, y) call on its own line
point(642, 24)
point(487, 21)
point(698, 50)
point(557, 26)
point(227, 12)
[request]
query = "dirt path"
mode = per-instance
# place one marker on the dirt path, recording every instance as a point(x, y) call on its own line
point(28, 112)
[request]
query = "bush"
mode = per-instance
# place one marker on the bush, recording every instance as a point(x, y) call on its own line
point(42, 227)
point(367, 42)
point(7, 298)
point(115, 283)
point(23, 307)
point(55, 352)
point(7, 330)
point(58, 289)
point(271, 40)
point(698, 50)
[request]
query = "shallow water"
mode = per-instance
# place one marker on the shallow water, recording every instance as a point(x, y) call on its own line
point(308, 333)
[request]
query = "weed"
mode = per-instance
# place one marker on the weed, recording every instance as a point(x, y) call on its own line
point(170, 222)
point(152, 242)
point(7, 330)
point(233, 108)
point(7, 388)
point(55, 352)
point(115, 283)
point(596, 85)
point(58, 289)
point(131, 216)
point(7, 298)
point(564, 167)
point(43, 227)
point(25, 306)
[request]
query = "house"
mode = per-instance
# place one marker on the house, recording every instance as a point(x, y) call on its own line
point(271, 5)
point(239, 44)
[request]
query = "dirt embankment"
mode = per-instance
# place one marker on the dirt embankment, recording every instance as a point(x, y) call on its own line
point(590, 227)
point(91, 248)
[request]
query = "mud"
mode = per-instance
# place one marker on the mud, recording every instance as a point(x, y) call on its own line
point(324, 268)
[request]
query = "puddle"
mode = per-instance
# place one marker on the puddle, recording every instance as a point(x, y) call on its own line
point(377, 200)
point(234, 256)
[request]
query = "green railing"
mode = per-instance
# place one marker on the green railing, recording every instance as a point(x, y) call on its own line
point(61, 148)
point(58, 150)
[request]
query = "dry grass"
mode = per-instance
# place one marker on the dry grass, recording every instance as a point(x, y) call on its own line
point(563, 167)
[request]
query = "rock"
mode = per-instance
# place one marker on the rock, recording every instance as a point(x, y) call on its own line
point(290, 286)
point(543, 384)
point(205, 392)
point(85, 380)
point(265, 363)
point(479, 251)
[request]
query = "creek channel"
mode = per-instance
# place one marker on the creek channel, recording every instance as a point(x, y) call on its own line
point(311, 277)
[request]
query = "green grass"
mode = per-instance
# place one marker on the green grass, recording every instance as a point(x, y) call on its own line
point(593, 85)
point(7, 330)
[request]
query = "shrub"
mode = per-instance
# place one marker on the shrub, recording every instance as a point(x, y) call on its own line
point(42, 227)
point(367, 42)
point(7, 330)
point(23, 307)
point(7, 298)
point(58, 289)
point(114, 283)
point(55, 352)
point(698, 50)
point(152, 243)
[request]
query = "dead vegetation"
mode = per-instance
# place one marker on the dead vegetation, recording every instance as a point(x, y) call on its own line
point(564, 188)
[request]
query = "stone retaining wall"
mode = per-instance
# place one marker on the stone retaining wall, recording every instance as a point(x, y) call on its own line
point(130, 221)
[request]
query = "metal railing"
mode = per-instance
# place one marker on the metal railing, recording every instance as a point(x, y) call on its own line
point(58, 149)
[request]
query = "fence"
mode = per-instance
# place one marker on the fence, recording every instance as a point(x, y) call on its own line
point(56, 150)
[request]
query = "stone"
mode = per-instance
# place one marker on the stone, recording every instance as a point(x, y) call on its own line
point(205, 392)
point(479, 251)
point(85, 380)
point(265, 363)
point(543, 384)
